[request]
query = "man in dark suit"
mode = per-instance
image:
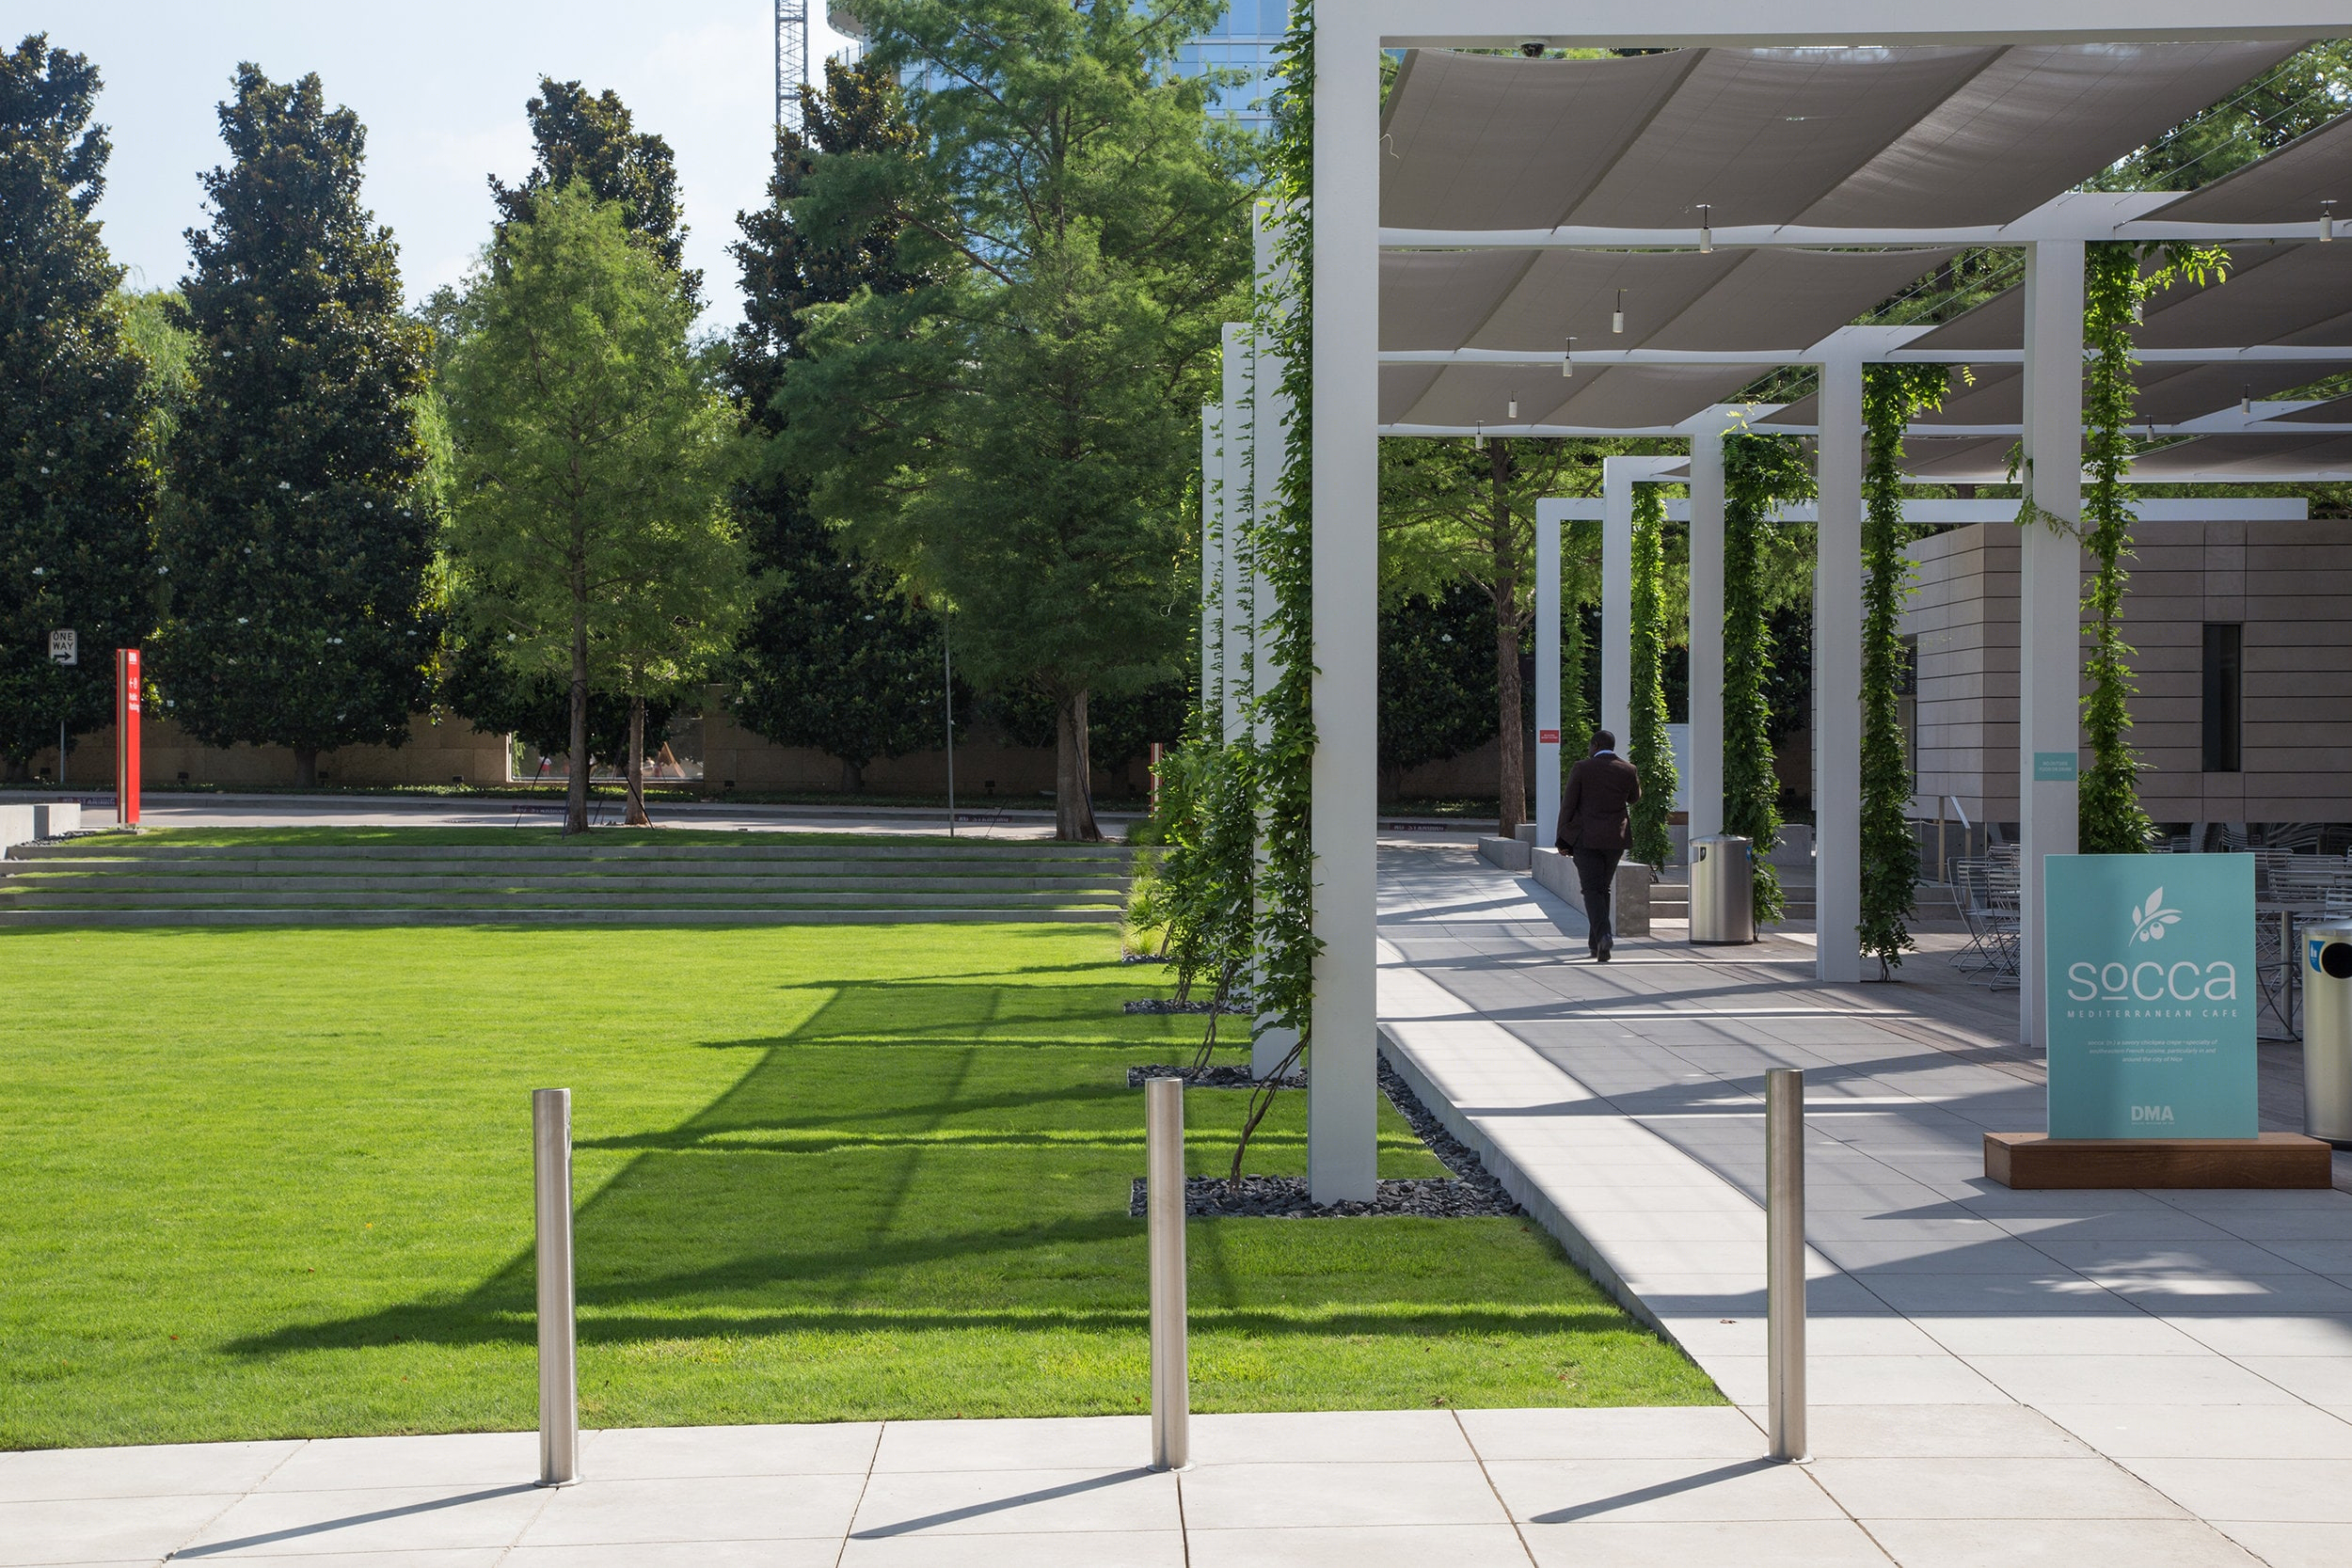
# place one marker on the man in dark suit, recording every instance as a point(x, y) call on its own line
point(1595, 825)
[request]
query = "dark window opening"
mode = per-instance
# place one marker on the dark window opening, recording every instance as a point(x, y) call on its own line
point(2225, 697)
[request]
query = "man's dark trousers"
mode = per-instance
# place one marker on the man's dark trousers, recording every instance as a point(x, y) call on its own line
point(1597, 871)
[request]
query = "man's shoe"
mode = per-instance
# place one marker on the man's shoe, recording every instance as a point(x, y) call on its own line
point(1601, 951)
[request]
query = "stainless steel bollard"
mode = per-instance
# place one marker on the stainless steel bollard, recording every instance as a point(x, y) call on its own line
point(1163, 1215)
point(1783, 1256)
point(559, 1345)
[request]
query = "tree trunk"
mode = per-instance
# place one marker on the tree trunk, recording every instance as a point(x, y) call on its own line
point(852, 777)
point(576, 786)
point(637, 818)
point(1511, 771)
point(305, 768)
point(1074, 780)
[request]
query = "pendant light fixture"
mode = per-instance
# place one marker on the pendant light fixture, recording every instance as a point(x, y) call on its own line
point(1514, 410)
point(1478, 434)
point(1616, 317)
point(1706, 229)
point(1567, 362)
point(2326, 221)
point(2246, 401)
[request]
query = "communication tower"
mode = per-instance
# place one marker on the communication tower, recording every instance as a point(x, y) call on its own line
point(791, 61)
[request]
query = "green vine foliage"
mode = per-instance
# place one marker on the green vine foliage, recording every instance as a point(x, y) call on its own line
point(1891, 394)
point(2118, 280)
point(1196, 887)
point(1647, 747)
point(1282, 538)
point(1760, 472)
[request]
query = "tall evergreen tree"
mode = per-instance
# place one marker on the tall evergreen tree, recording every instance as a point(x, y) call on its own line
point(295, 546)
point(833, 656)
point(592, 138)
point(76, 485)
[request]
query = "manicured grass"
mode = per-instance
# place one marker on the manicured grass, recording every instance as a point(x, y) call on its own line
point(278, 1181)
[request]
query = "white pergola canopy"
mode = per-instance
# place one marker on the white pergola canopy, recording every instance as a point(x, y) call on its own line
point(1840, 148)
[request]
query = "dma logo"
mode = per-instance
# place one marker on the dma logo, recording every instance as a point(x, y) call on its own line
point(2152, 1112)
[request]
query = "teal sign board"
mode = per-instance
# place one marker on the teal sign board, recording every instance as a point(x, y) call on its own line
point(2148, 960)
point(2055, 768)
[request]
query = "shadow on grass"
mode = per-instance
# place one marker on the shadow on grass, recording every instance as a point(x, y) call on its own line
point(710, 1220)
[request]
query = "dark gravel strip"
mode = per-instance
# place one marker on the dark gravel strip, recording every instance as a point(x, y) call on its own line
point(1207, 1077)
point(1468, 1193)
point(1285, 1197)
point(1169, 1005)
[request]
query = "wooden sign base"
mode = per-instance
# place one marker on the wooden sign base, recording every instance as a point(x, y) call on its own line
point(2036, 1160)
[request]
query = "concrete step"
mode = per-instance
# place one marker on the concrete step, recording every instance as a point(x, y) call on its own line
point(492, 898)
point(114, 847)
point(423, 882)
point(552, 917)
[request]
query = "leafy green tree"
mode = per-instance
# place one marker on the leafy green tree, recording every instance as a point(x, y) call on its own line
point(1647, 747)
point(1759, 473)
point(595, 139)
point(1452, 511)
point(537, 708)
point(297, 555)
point(590, 467)
point(834, 655)
point(1437, 678)
point(1013, 434)
point(76, 487)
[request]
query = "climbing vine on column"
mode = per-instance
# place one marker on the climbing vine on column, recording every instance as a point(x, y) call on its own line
point(1647, 747)
point(1760, 472)
point(1891, 394)
point(2118, 280)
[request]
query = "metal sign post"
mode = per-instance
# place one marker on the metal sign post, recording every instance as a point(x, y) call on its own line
point(65, 649)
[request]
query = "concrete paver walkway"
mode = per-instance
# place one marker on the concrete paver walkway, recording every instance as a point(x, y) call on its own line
point(2135, 1361)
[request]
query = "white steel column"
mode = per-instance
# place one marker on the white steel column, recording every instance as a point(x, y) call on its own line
point(1837, 686)
point(1548, 514)
point(1240, 351)
point(1212, 562)
point(1342, 1081)
point(2049, 588)
point(1705, 785)
point(1617, 594)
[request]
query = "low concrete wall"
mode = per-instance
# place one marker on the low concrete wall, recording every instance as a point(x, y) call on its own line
point(52, 818)
point(1509, 853)
point(16, 826)
point(1629, 899)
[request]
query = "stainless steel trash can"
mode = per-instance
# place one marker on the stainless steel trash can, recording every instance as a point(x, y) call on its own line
point(1723, 889)
point(2328, 1031)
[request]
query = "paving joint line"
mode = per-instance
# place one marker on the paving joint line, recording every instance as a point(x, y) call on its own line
point(1518, 1530)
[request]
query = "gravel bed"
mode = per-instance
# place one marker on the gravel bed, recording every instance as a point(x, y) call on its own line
point(1207, 1077)
point(1169, 1005)
point(1284, 1197)
point(1142, 959)
point(1468, 1193)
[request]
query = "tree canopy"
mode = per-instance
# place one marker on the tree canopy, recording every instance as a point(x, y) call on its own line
point(77, 481)
point(297, 560)
point(1013, 432)
point(592, 138)
point(589, 536)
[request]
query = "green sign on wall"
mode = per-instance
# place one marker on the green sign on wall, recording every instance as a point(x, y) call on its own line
point(2149, 966)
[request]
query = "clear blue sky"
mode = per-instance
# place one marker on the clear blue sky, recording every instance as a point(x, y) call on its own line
point(441, 86)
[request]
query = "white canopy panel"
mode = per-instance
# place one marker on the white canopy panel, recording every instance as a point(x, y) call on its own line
point(1883, 137)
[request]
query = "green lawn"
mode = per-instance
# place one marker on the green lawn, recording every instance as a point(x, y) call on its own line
point(278, 1181)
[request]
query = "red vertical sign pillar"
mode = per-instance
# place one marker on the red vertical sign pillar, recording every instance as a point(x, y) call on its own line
point(127, 736)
